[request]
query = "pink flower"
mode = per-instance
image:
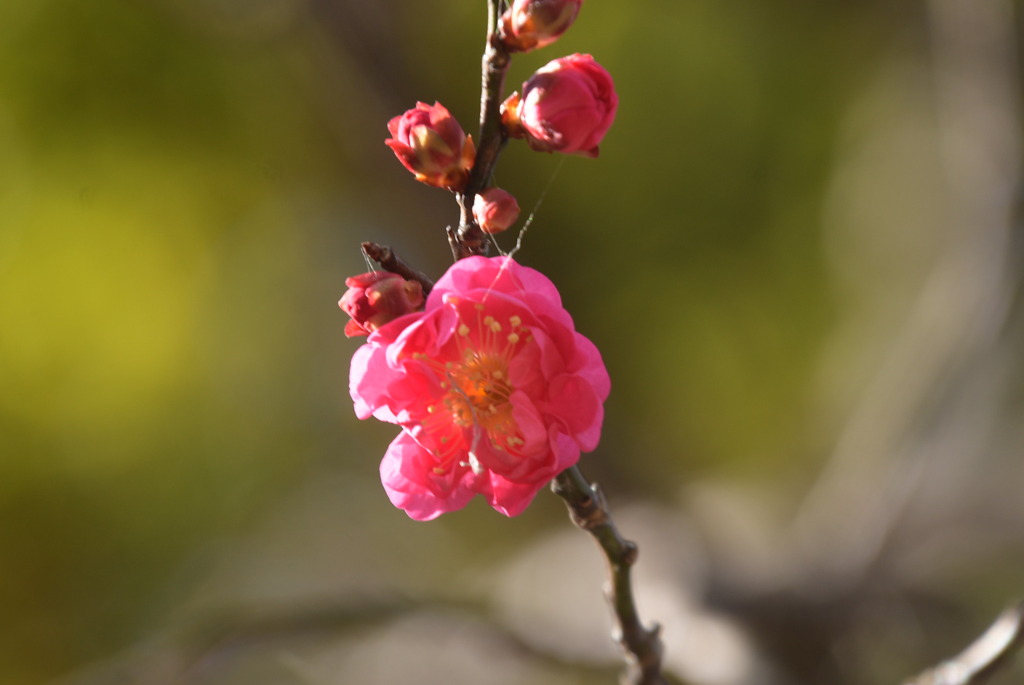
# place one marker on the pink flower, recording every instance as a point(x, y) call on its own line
point(530, 24)
point(495, 210)
point(566, 106)
point(376, 298)
point(429, 142)
point(495, 391)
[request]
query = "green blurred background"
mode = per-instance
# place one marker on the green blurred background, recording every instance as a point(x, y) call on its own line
point(797, 253)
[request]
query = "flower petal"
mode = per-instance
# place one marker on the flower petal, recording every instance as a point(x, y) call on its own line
point(406, 487)
point(507, 497)
point(368, 383)
point(494, 389)
point(573, 401)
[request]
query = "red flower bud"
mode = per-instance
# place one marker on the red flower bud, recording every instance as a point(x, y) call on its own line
point(566, 106)
point(430, 143)
point(530, 24)
point(376, 298)
point(495, 210)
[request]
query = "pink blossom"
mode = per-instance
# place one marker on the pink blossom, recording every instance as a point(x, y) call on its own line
point(495, 210)
point(530, 24)
point(429, 142)
point(566, 106)
point(376, 298)
point(494, 389)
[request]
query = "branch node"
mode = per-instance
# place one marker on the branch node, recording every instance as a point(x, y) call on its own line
point(629, 552)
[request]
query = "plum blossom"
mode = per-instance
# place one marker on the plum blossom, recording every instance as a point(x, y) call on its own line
point(494, 389)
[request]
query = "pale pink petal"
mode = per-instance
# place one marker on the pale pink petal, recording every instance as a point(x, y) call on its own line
point(410, 494)
point(506, 497)
point(368, 383)
point(566, 451)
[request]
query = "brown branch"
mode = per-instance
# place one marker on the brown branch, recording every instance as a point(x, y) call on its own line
point(986, 655)
point(389, 261)
point(587, 507)
point(589, 511)
point(468, 239)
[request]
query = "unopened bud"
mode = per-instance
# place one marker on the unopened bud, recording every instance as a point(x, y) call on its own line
point(377, 298)
point(495, 210)
point(530, 24)
point(429, 142)
point(566, 106)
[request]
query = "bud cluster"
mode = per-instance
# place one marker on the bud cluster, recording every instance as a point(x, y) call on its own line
point(495, 391)
point(567, 106)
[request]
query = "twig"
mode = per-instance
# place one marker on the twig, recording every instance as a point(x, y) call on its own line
point(389, 261)
point(986, 655)
point(468, 239)
point(587, 507)
point(589, 511)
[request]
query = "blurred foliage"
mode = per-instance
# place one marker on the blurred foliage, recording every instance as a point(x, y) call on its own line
point(183, 186)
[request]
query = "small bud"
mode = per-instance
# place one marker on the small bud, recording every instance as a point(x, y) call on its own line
point(495, 210)
point(530, 24)
point(429, 142)
point(376, 298)
point(566, 106)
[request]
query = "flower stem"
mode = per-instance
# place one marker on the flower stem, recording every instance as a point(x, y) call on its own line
point(589, 511)
point(468, 239)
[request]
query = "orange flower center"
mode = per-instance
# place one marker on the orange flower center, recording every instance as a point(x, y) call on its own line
point(477, 391)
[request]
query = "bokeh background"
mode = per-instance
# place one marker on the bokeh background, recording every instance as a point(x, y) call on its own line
point(799, 253)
